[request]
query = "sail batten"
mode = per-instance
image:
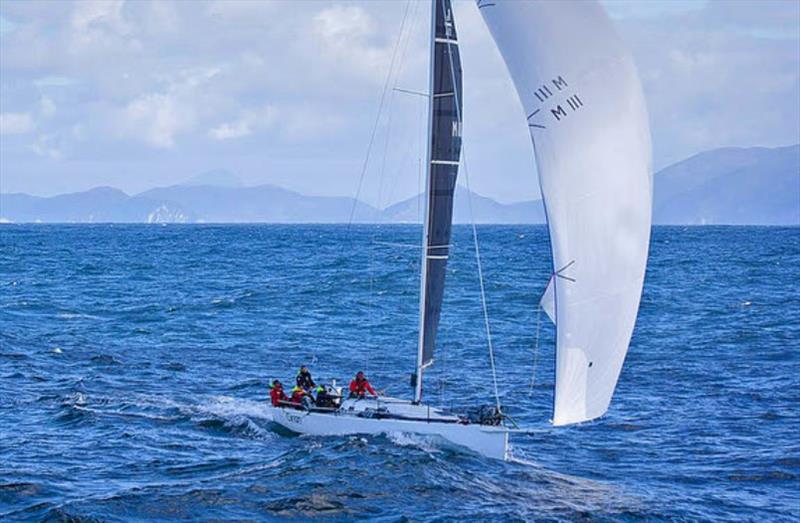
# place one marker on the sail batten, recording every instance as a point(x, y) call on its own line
point(583, 102)
point(444, 151)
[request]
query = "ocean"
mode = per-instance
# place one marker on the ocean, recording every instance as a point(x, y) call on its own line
point(134, 363)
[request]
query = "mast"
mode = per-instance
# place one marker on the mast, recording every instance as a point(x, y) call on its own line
point(423, 265)
point(443, 155)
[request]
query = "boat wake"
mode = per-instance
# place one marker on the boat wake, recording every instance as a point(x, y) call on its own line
point(228, 407)
point(240, 417)
point(566, 491)
point(429, 444)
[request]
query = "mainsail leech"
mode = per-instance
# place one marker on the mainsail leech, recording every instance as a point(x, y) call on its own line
point(444, 151)
point(589, 127)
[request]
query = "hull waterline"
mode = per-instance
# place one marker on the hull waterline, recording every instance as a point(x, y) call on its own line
point(487, 440)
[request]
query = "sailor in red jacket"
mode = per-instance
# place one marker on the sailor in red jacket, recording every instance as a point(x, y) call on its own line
point(277, 394)
point(360, 386)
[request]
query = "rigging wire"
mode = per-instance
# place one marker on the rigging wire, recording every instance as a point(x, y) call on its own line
point(378, 116)
point(536, 347)
point(403, 39)
point(474, 228)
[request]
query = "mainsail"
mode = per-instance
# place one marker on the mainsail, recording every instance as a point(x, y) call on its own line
point(589, 127)
point(444, 150)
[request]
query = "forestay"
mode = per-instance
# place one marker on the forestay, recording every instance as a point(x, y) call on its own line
point(443, 155)
point(588, 124)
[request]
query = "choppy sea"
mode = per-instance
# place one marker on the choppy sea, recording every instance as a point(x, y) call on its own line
point(134, 362)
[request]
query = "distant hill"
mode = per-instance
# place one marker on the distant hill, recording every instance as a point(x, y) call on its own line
point(216, 177)
point(758, 186)
point(263, 203)
point(724, 186)
point(185, 204)
point(484, 210)
point(98, 205)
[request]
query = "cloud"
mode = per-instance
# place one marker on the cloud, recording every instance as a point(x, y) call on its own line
point(288, 91)
point(247, 123)
point(226, 131)
point(16, 123)
point(345, 35)
point(96, 20)
point(53, 81)
point(6, 26)
point(45, 146)
point(47, 107)
point(241, 10)
point(156, 119)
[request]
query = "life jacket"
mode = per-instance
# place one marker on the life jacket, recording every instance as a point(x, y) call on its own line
point(277, 395)
point(297, 395)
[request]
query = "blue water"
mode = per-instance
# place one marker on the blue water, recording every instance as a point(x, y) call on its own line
point(134, 360)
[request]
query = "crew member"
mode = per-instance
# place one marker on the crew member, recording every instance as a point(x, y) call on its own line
point(324, 399)
point(301, 399)
point(304, 380)
point(276, 393)
point(360, 386)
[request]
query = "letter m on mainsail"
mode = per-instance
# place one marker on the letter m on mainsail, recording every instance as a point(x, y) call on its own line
point(560, 83)
point(558, 112)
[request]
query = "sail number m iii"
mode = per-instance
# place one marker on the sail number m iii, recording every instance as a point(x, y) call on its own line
point(573, 102)
point(553, 101)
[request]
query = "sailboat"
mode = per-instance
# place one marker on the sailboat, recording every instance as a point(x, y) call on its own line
point(585, 110)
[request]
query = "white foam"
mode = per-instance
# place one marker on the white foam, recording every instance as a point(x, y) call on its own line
point(76, 315)
point(226, 406)
point(429, 444)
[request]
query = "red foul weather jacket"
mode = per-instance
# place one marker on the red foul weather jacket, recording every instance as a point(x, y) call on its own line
point(360, 388)
point(277, 396)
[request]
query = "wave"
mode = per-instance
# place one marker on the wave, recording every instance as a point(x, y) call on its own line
point(77, 316)
point(226, 406)
point(174, 367)
point(575, 493)
point(105, 359)
point(230, 301)
point(428, 444)
point(310, 505)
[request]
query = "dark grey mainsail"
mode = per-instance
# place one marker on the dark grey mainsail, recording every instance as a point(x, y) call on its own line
point(444, 150)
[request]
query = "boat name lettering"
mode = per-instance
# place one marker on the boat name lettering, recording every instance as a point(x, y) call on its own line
point(294, 418)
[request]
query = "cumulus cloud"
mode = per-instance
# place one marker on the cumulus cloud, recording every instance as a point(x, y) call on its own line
point(16, 123)
point(247, 123)
point(346, 36)
point(47, 107)
point(46, 147)
point(186, 82)
point(155, 118)
point(98, 25)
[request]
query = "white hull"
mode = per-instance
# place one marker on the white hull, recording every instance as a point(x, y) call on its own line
point(489, 441)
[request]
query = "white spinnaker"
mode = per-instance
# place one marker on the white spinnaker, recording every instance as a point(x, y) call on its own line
point(548, 300)
point(588, 122)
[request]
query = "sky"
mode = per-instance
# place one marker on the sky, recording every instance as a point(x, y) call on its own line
point(137, 94)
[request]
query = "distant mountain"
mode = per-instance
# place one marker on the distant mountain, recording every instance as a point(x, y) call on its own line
point(723, 186)
point(758, 186)
point(98, 205)
point(263, 203)
point(185, 204)
point(484, 210)
point(216, 177)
